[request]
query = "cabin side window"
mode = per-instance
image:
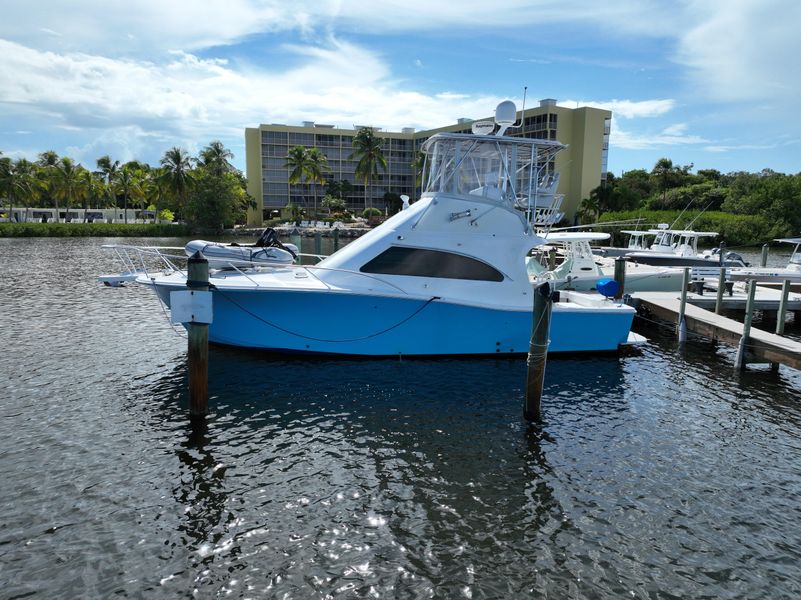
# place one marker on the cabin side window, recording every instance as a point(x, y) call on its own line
point(417, 262)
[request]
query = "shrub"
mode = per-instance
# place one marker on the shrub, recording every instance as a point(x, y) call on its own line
point(92, 230)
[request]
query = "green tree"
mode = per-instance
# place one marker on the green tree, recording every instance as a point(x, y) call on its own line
point(128, 185)
point(316, 170)
point(47, 162)
point(68, 184)
point(339, 189)
point(108, 169)
point(18, 182)
point(96, 192)
point(178, 165)
point(589, 209)
point(333, 204)
point(215, 158)
point(297, 160)
point(393, 202)
point(662, 173)
point(156, 190)
point(217, 201)
point(367, 149)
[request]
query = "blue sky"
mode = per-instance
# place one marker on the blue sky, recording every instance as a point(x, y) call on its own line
point(704, 82)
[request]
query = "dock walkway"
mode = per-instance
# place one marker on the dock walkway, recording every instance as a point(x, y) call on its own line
point(762, 346)
point(766, 298)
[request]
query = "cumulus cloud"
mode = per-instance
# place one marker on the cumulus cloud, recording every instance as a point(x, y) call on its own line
point(628, 109)
point(136, 103)
point(146, 26)
point(142, 72)
point(745, 52)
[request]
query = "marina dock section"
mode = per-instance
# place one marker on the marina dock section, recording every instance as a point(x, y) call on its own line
point(700, 318)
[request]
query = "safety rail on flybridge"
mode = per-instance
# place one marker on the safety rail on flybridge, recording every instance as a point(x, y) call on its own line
point(513, 171)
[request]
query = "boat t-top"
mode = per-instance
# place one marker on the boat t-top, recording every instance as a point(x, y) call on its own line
point(446, 276)
point(679, 248)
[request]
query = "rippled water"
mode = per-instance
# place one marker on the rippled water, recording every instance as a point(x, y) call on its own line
point(660, 474)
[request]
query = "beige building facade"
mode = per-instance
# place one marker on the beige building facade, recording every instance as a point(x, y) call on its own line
point(582, 164)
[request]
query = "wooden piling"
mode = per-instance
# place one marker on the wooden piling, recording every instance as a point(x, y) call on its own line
point(721, 286)
point(296, 239)
point(681, 325)
point(551, 259)
point(318, 243)
point(537, 352)
point(198, 345)
point(740, 359)
point(764, 260)
point(782, 312)
point(620, 277)
point(336, 239)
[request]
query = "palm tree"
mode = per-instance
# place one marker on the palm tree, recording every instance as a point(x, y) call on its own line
point(178, 168)
point(68, 183)
point(297, 159)
point(156, 189)
point(215, 158)
point(589, 209)
point(367, 149)
point(18, 182)
point(48, 162)
point(127, 183)
point(316, 168)
point(95, 187)
point(108, 170)
point(663, 169)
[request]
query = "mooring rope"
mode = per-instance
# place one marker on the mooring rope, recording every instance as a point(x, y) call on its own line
point(306, 337)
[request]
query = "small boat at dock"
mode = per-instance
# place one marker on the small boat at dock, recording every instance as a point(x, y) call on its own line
point(581, 269)
point(268, 251)
point(679, 248)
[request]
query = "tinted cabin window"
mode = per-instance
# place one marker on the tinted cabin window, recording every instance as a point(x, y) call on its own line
point(430, 263)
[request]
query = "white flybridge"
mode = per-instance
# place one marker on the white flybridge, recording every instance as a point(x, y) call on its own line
point(446, 276)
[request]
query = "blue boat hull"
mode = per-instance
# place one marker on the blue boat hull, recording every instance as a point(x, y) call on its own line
point(351, 324)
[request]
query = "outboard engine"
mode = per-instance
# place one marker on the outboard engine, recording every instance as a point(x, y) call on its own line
point(269, 239)
point(734, 257)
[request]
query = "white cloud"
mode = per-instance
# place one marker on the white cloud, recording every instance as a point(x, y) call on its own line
point(747, 51)
point(672, 135)
point(148, 26)
point(627, 109)
point(135, 104)
point(103, 69)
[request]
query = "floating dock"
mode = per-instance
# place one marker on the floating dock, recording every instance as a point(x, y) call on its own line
point(761, 346)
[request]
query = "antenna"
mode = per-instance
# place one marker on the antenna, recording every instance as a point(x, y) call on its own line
point(523, 110)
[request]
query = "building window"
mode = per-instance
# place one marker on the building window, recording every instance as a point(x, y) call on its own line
point(416, 262)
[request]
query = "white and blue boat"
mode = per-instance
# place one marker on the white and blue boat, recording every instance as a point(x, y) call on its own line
point(447, 276)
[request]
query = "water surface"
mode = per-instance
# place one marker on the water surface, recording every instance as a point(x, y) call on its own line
point(659, 474)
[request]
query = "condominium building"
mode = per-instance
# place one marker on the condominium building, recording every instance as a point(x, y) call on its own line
point(582, 165)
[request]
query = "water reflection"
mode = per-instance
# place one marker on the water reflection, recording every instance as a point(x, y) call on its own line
point(657, 473)
point(201, 492)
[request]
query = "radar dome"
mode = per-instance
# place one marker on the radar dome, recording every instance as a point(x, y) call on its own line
point(506, 113)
